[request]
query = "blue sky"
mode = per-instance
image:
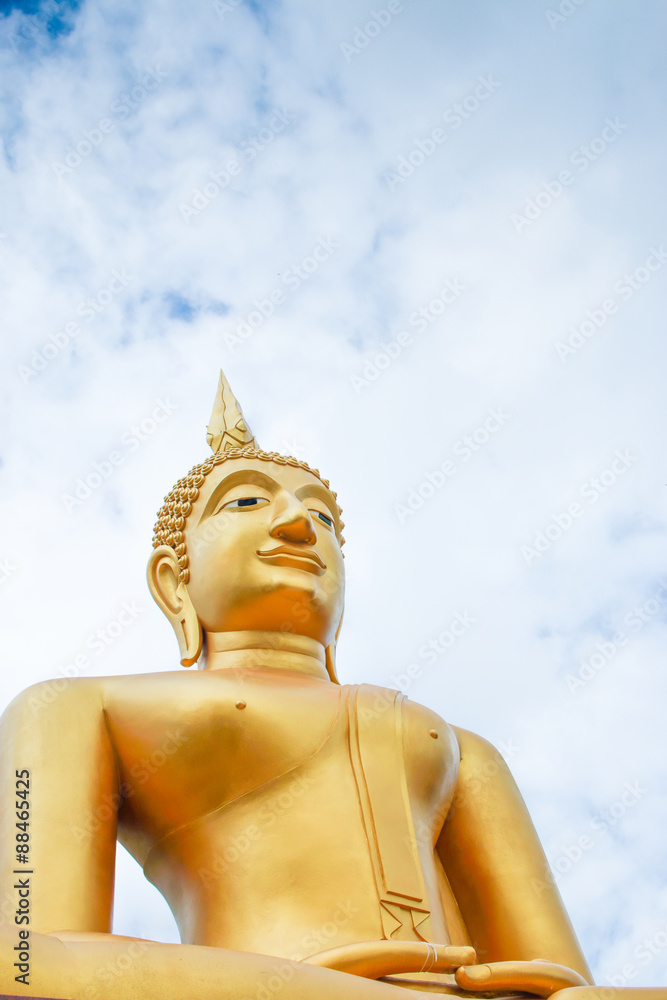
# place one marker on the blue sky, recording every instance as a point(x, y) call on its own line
point(463, 209)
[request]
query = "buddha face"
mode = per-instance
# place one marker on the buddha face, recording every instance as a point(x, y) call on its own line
point(264, 552)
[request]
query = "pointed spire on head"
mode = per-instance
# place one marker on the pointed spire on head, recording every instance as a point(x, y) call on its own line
point(227, 427)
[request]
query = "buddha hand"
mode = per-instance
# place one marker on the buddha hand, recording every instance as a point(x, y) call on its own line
point(539, 977)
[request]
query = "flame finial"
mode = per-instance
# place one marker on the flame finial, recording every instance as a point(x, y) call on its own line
point(227, 427)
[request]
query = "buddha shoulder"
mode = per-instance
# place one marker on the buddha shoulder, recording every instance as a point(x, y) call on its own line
point(64, 699)
point(58, 697)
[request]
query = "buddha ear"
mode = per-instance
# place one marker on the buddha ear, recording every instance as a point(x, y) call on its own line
point(171, 595)
point(330, 654)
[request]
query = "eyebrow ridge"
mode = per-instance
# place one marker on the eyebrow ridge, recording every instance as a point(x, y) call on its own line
point(251, 476)
point(321, 493)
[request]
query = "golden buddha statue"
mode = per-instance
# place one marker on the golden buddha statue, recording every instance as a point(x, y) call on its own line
point(285, 811)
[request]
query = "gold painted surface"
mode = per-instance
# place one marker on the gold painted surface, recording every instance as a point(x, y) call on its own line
point(313, 840)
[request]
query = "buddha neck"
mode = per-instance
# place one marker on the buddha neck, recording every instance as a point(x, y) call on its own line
point(273, 650)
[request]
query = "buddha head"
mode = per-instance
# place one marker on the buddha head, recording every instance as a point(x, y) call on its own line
point(248, 541)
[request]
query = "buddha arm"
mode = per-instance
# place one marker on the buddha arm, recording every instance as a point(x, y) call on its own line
point(106, 967)
point(57, 732)
point(497, 868)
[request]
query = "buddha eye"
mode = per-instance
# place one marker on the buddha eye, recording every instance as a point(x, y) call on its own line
point(323, 517)
point(243, 503)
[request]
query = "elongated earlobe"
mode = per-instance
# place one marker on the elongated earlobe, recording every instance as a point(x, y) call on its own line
point(170, 594)
point(330, 654)
point(330, 661)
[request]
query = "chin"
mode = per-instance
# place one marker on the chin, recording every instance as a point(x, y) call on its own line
point(300, 606)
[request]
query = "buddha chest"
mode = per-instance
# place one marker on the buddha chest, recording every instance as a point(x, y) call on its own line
point(242, 787)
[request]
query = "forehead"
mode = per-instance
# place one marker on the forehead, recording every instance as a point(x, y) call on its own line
point(268, 475)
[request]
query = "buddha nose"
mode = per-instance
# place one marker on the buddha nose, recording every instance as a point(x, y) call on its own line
point(292, 522)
